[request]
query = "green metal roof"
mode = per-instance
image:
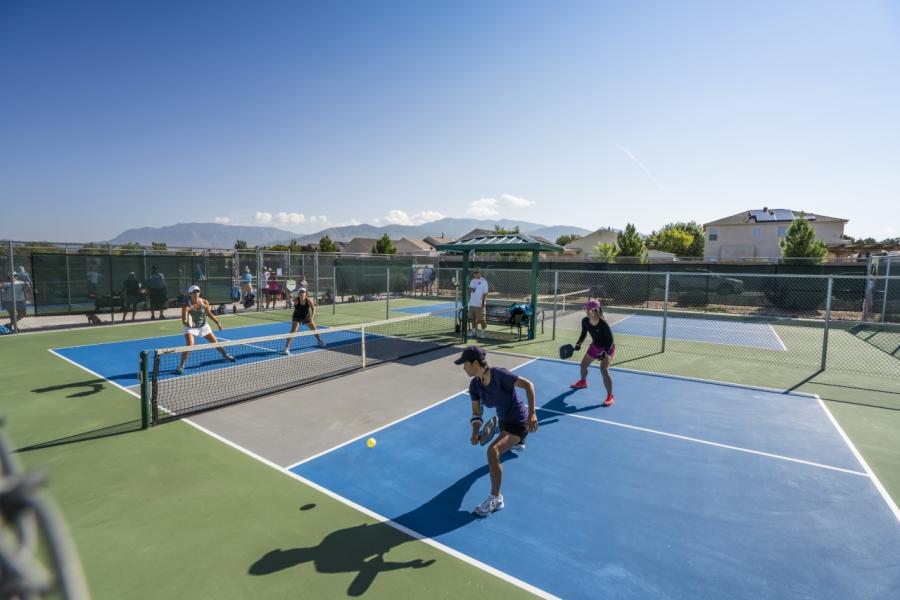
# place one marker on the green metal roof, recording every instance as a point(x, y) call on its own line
point(501, 243)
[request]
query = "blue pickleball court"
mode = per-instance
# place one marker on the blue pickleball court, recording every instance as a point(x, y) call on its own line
point(682, 489)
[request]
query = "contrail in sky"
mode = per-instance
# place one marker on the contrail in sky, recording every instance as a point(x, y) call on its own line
point(635, 160)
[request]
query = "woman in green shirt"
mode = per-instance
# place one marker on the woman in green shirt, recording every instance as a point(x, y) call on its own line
point(193, 316)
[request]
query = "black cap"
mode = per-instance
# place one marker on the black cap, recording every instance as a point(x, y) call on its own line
point(470, 354)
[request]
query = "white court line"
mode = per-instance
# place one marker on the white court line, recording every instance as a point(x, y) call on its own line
point(372, 514)
point(413, 534)
point(152, 337)
point(707, 442)
point(777, 337)
point(668, 376)
point(878, 486)
point(83, 368)
point(359, 437)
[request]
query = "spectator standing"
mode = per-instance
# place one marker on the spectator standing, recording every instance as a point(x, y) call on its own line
point(478, 291)
point(12, 298)
point(131, 295)
point(158, 292)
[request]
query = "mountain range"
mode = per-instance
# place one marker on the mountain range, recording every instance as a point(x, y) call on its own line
point(215, 235)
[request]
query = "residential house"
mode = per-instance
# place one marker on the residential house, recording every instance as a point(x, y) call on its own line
point(584, 246)
point(434, 240)
point(404, 245)
point(758, 233)
point(359, 245)
point(407, 245)
point(476, 233)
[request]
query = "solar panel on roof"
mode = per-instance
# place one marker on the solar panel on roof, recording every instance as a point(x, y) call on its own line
point(782, 214)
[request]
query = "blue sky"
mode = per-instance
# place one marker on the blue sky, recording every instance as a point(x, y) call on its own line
point(306, 114)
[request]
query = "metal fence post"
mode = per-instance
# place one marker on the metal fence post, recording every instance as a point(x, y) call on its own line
point(665, 312)
point(827, 324)
point(14, 316)
point(387, 297)
point(68, 282)
point(316, 273)
point(112, 303)
point(887, 281)
point(555, 292)
point(334, 280)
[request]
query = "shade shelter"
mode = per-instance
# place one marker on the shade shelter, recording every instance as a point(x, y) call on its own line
point(496, 244)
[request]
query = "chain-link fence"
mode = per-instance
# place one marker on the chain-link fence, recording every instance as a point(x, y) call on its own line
point(816, 322)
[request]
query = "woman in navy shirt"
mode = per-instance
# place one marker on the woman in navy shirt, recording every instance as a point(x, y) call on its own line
point(495, 387)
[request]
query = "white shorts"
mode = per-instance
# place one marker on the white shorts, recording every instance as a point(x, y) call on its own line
point(199, 331)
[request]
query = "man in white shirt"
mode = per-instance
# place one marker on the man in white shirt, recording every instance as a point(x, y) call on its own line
point(478, 291)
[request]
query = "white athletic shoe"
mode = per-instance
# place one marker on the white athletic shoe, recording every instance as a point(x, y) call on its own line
point(518, 448)
point(286, 351)
point(490, 505)
point(471, 333)
point(482, 333)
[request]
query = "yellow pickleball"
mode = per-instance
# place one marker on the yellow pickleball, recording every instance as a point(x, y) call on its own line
point(370, 442)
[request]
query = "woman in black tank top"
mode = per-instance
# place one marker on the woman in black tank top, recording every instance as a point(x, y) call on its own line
point(601, 348)
point(304, 313)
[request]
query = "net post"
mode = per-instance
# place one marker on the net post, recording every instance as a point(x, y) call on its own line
point(555, 293)
point(362, 336)
point(334, 279)
point(827, 324)
point(387, 296)
point(665, 312)
point(145, 389)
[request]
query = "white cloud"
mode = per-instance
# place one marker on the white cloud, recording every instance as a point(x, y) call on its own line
point(485, 208)
point(263, 217)
point(399, 217)
point(293, 218)
point(222, 220)
point(515, 201)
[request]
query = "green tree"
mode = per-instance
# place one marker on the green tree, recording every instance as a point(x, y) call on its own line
point(384, 245)
point(326, 245)
point(129, 247)
point(158, 246)
point(676, 241)
point(800, 242)
point(629, 243)
point(503, 231)
point(680, 238)
point(605, 250)
point(94, 249)
point(567, 238)
point(240, 245)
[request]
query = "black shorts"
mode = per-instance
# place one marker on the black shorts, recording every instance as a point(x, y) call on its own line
point(517, 429)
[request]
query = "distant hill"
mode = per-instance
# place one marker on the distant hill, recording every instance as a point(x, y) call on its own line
point(204, 235)
point(214, 235)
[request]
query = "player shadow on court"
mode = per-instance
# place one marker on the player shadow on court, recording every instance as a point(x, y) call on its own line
point(88, 387)
point(361, 549)
point(559, 405)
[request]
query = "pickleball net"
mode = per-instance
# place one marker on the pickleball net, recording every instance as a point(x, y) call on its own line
point(262, 367)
